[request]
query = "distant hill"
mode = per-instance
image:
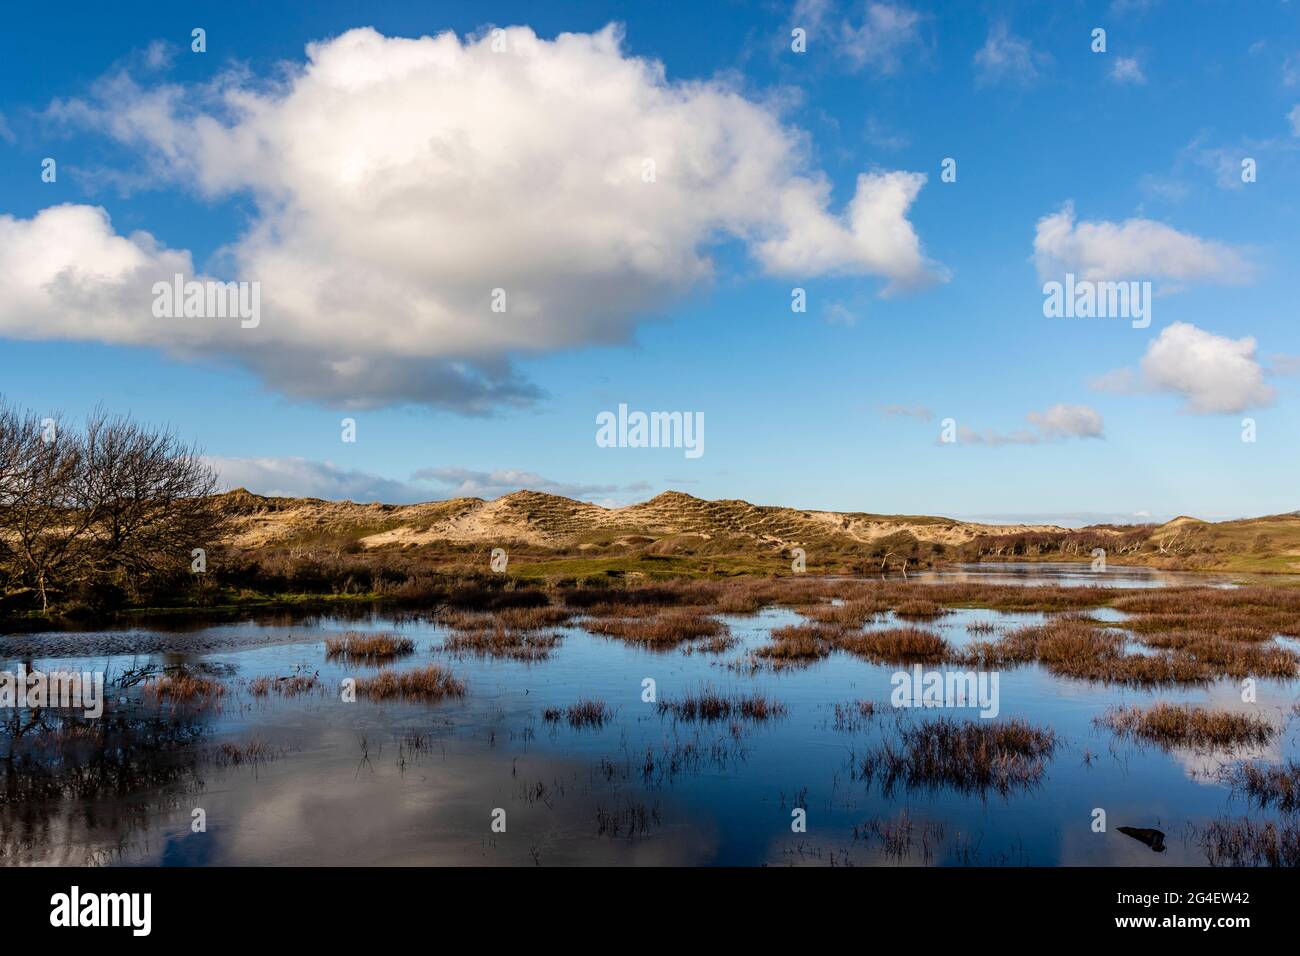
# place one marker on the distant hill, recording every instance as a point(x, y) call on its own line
point(676, 531)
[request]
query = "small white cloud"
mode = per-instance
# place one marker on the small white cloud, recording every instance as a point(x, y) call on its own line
point(811, 15)
point(1294, 117)
point(837, 313)
point(1068, 421)
point(1122, 381)
point(1132, 249)
point(6, 133)
point(1291, 70)
point(882, 38)
point(1126, 69)
point(1213, 374)
point(158, 55)
point(1007, 58)
point(908, 411)
point(1055, 424)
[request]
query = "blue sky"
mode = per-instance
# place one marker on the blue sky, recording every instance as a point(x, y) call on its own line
point(372, 217)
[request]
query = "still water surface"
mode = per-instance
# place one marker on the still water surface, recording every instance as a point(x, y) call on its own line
point(404, 783)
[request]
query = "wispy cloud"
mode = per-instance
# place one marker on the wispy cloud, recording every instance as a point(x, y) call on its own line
point(880, 40)
point(1065, 519)
point(1291, 70)
point(907, 411)
point(492, 484)
point(1057, 423)
point(298, 477)
point(1127, 69)
point(1008, 59)
point(877, 40)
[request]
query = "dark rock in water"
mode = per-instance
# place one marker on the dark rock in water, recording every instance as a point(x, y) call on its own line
point(1152, 838)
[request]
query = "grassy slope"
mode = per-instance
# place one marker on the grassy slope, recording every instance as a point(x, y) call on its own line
point(1269, 544)
point(678, 535)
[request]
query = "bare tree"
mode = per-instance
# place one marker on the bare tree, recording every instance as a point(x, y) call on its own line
point(44, 516)
point(114, 503)
point(151, 495)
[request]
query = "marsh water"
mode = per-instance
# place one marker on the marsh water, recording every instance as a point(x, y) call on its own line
point(358, 783)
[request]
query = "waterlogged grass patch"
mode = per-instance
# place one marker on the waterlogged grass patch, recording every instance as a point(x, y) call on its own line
point(629, 819)
point(805, 643)
point(899, 837)
point(711, 645)
point(502, 643)
point(431, 683)
point(1244, 842)
point(289, 686)
point(919, 609)
point(1087, 649)
point(185, 689)
point(966, 756)
point(358, 647)
point(1173, 725)
point(1223, 623)
point(798, 644)
point(854, 715)
point(585, 713)
point(232, 754)
point(513, 619)
point(1067, 645)
point(1274, 786)
point(897, 645)
point(1254, 612)
point(1222, 656)
point(707, 704)
point(853, 613)
point(662, 631)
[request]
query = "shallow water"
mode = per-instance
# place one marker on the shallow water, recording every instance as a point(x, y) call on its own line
point(414, 783)
point(1075, 574)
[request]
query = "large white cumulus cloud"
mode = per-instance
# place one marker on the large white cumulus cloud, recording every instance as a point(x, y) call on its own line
point(397, 182)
